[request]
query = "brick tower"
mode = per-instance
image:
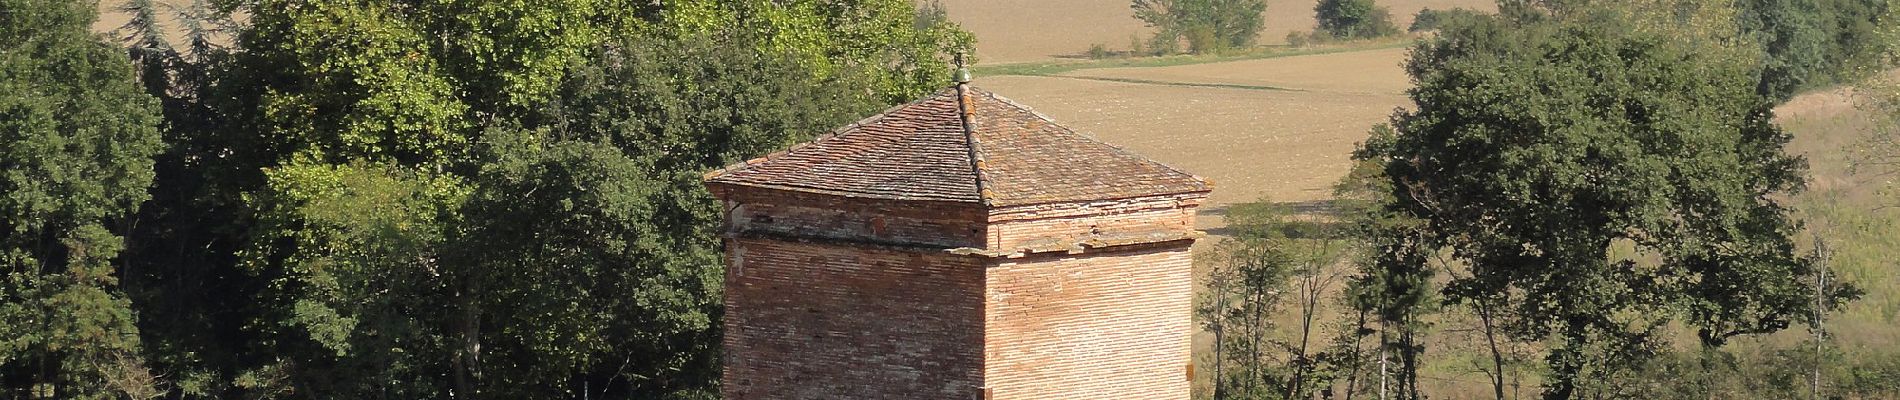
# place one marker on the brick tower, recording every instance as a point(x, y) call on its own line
point(957, 247)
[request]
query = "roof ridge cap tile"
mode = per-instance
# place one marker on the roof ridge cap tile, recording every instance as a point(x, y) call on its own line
point(966, 113)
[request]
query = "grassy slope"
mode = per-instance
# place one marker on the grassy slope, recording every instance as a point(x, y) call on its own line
point(1845, 210)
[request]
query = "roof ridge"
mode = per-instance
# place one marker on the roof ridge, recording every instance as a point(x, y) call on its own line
point(743, 165)
point(966, 112)
point(1091, 138)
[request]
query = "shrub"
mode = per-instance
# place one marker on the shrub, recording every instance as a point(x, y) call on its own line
point(1202, 39)
point(1298, 39)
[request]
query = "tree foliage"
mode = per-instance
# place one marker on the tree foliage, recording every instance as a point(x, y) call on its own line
point(426, 199)
point(1880, 149)
point(1791, 33)
point(1353, 19)
point(77, 138)
point(1245, 290)
point(1393, 288)
point(1207, 25)
point(899, 51)
point(1801, 44)
point(1269, 256)
point(1810, 43)
point(1430, 20)
point(1600, 181)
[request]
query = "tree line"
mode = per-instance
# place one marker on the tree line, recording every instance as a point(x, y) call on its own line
point(402, 198)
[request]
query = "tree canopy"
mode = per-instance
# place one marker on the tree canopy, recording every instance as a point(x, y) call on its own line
point(1353, 19)
point(426, 199)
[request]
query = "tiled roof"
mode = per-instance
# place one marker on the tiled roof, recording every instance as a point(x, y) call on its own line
point(1009, 155)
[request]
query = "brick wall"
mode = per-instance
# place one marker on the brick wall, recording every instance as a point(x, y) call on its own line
point(827, 320)
point(1113, 324)
point(1012, 228)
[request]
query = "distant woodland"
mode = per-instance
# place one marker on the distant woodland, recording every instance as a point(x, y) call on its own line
point(502, 199)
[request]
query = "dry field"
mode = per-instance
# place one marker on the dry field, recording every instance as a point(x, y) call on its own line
point(1289, 144)
point(1010, 31)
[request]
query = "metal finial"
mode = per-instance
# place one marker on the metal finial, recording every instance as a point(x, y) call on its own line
point(963, 72)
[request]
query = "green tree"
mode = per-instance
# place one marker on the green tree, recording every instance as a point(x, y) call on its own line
point(1856, 44)
point(1246, 281)
point(1431, 20)
point(1792, 35)
point(1207, 25)
point(1270, 256)
point(1393, 287)
point(1610, 179)
point(1353, 19)
point(1802, 44)
point(1810, 43)
point(441, 198)
point(1880, 149)
point(603, 196)
point(77, 138)
point(365, 118)
point(897, 50)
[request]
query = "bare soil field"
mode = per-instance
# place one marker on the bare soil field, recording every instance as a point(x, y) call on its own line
point(1010, 31)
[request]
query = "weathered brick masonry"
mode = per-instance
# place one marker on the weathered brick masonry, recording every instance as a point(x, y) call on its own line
point(829, 321)
point(959, 247)
point(1092, 326)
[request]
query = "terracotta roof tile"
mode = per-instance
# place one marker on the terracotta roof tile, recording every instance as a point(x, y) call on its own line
point(921, 151)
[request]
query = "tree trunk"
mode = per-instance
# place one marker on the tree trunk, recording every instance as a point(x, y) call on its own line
point(1352, 380)
point(1497, 358)
point(1820, 311)
point(1410, 357)
point(1219, 324)
point(1308, 302)
point(467, 360)
point(1566, 365)
point(1385, 343)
